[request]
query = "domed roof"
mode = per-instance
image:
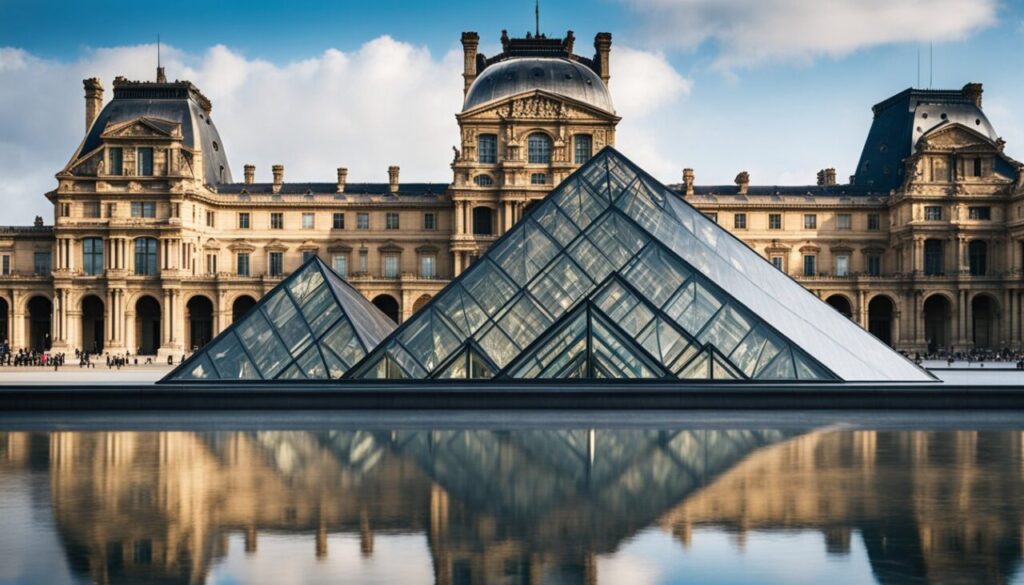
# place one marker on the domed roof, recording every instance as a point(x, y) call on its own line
point(556, 75)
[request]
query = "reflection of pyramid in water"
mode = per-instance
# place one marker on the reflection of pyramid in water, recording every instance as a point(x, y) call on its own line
point(311, 326)
point(614, 276)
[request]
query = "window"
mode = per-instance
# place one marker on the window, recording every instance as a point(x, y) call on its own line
point(116, 156)
point(739, 221)
point(145, 256)
point(775, 221)
point(538, 179)
point(842, 265)
point(810, 265)
point(41, 263)
point(977, 167)
point(874, 222)
point(844, 221)
point(933, 257)
point(428, 266)
point(932, 213)
point(362, 221)
point(483, 180)
point(111, 209)
point(210, 217)
point(175, 209)
point(538, 149)
point(364, 261)
point(91, 209)
point(276, 263)
point(390, 266)
point(338, 221)
point(340, 265)
point(391, 220)
point(143, 209)
point(277, 221)
point(65, 209)
point(584, 148)
point(977, 255)
point(144, 162)
point(979, 213)
point(243, 221)
point(430, 221)
point(242, 264)
point(211, 264)
point(487, 148)
point(307, 254)
point(5, 265)
point(810, 221)
point(92, 256)
point(777, 262)
point(874, 265)
point(712, 216)
point(308, 221)
point(482, 224)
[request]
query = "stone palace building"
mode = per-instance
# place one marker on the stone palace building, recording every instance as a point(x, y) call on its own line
point(155, 248)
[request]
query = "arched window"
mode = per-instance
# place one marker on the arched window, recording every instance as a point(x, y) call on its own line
point(977, 254)
point(539, 149)
point(92, 256)
point(145, 256)
point(584, 148)
point(483, 180)
point(487, 148)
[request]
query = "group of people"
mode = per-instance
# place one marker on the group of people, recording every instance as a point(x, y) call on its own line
point(979, 356)
point(85, 359)
point(28, 357)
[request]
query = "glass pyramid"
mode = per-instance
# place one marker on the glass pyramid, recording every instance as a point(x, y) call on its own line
point(613, 275)
point(313, 325)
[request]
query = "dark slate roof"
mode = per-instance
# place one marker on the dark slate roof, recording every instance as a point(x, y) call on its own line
point(352, 189)
point(177, 102)
point(555, 75)
point(903, 119)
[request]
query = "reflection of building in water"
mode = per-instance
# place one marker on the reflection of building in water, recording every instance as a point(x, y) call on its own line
point(930, 506)
point(525, 506)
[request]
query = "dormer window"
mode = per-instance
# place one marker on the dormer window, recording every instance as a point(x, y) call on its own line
point(116, 160)
point(144, 162)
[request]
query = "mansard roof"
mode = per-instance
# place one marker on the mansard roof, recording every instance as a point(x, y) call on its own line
point(351, 189)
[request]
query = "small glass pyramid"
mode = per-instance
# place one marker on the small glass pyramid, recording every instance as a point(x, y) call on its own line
point(312, 326)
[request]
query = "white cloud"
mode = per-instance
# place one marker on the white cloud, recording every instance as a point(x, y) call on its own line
point(749, 32)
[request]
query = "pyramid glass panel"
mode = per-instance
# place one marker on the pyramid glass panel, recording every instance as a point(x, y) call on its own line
point(311, 326)
point(614, 275)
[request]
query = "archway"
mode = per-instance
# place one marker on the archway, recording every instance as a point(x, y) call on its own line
point(147, 325)
point(880, 314)
point(388, 305)
point(40, 314)
point(983, 322)
point(841, 304)
point(92, 324)
point(241, 306)
point(5, 321)
point(937, 322)
point(199, 314)
point(423, 300)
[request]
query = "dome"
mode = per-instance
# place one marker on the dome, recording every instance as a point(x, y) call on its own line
point(555, 75)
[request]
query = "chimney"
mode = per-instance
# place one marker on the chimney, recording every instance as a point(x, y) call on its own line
point(393, 178)
point(93, 100)
point(603, 46)
point(161, 75)
point(830, 176)
point(973, 91)
point(250, 174)
point(470, 43)
point(278, 171)
point(688, 181)
point(743, 182)
point(342, 177)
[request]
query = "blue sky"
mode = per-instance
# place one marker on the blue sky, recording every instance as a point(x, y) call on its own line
point(780, 88)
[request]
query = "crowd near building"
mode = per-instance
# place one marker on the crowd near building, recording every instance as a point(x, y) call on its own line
point(155, 248)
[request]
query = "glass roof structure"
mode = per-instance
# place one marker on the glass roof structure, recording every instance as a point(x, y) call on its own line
point(312, 326)
point(614, 276)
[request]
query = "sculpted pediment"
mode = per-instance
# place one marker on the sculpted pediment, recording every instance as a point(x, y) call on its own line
point(143, 128)
point(536, 105)
point(955, 136)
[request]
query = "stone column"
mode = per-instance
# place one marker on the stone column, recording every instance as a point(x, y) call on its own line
point(919, 336)
point(961, 318)
point(970, 321)
point(459, 228)
point(897, 334)
point(918, 255)
point(108, 320)
point(456, 263)
point(862, 308)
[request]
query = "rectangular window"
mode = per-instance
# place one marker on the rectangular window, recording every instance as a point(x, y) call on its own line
point(338, 221)
point(933, 213)
point(307, 254)
point(874, 265)
point(65, 209)
point(390, 269)
point(874, 222)
point(145, 162)
point(210, 217)
point(308, 221)
point(487, 148)
point(775, 221)
point(243, 221)
point(739, 221)
point(584, 148)
point(711, 215)
point(144, 209)
point(92, 256)
point(777, 262)
point(276, 263)
point(810, 265)
point(391, 220)
point(5, 265)
point(277, 221)
point(242, 267)
point(340, 265)
point(538, 178)
point(933, 257)
point(810, 221)
point(979, 213)
point(111, 209)
point(364, 261)
point(116, 156)
point(175, 209)
point(211, 264)
point(362, 221)
point(844, 221)
point(977, 167)
point(428, 266)
point(842, 265)
point(430, 221)
point(145, 256)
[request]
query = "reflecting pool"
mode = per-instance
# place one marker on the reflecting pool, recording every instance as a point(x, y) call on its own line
point(642, 502)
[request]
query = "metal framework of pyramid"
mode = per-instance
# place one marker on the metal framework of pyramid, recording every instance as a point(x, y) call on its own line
point(312, 326)
point(614, 276)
